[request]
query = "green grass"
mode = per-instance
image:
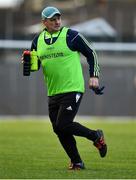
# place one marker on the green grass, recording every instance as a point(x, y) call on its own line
point(30, 150)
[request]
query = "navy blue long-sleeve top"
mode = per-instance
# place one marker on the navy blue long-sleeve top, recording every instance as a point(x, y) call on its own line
point(76, 42)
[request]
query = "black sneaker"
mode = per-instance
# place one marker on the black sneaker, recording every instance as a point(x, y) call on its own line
point(76, 166)
point(100, 144)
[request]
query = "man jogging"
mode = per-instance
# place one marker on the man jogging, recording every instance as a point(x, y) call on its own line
point(58, 50)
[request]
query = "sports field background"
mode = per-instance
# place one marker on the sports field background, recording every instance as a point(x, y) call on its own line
point(29, 149)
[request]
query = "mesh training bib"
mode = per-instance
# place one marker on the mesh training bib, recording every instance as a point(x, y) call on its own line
point(61, 66)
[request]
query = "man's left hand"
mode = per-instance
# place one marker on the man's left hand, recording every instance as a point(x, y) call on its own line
point(94, 85)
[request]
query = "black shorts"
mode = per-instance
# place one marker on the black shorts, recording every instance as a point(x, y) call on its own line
point(63, 108)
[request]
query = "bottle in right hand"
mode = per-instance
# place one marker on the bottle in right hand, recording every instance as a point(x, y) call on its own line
point(26, 63)
point(34, 60)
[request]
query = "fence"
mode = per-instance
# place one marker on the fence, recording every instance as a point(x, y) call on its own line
point(27, 95)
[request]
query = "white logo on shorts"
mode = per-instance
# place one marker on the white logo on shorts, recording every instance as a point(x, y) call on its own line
point(69, 108)
point(78, 97)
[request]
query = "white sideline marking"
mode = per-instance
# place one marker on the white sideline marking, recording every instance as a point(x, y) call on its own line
point(92, 119)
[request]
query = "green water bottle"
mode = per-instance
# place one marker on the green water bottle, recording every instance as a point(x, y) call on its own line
point(34, 60)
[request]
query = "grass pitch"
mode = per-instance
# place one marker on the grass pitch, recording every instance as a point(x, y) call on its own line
point(30, 150)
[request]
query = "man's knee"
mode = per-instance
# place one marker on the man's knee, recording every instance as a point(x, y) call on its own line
point(60, 129)
point(65, 128)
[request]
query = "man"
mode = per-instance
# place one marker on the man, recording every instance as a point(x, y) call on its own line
point(58, 51)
